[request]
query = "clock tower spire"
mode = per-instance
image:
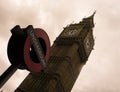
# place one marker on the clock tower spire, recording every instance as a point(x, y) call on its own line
point(69, 53)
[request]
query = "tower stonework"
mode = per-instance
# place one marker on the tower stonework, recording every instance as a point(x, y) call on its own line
point(69, 53)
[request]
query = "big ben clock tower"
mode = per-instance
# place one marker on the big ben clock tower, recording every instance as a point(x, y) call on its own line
point(69, 53)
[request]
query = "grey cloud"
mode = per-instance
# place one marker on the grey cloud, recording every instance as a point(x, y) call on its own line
point(11, 15)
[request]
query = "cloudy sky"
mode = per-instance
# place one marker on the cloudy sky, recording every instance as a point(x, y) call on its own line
point(102, 71)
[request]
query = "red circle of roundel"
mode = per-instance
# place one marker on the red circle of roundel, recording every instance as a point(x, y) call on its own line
point(36, 67)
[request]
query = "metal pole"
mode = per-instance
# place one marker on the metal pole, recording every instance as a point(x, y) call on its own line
point(37, 46)
point(7, 74)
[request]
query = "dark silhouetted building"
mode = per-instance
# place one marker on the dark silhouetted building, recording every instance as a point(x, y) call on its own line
point(69, 53)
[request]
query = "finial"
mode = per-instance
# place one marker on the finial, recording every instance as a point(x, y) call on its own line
point(93, 14)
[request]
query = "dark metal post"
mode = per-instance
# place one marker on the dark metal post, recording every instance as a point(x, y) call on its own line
point(36, 45)
point(7, 74)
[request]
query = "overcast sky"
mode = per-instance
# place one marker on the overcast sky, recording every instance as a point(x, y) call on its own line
point(102, 71)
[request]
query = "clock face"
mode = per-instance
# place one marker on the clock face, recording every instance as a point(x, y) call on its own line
point(88, 44)
point(72, 32)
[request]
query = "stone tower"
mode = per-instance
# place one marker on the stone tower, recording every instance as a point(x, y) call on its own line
point(69, 53)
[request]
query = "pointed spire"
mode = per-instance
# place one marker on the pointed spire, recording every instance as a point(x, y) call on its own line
point(89, 20)
point(92, 16)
